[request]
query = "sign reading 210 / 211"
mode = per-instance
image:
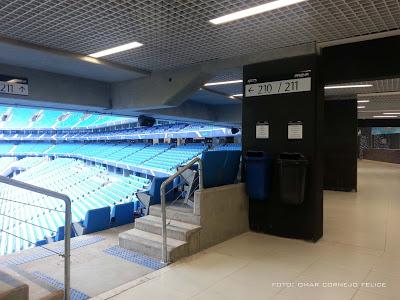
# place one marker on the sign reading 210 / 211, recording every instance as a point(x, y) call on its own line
point(278, 87)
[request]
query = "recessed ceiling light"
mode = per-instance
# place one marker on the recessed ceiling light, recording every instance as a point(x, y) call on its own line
point(385, 116)
point(359, 107)
point(391, 113)
point(237, 95)
point(223, 82)
point(329, 87)
point(363, 101)
point(117, 49)
point(254, 11)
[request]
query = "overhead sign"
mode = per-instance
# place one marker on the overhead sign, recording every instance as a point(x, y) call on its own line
point(14, 85)
point(301, 82)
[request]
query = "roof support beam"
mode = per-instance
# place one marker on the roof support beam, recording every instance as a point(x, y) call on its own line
point(57, 91)
point(172, 88)
point(32, 56)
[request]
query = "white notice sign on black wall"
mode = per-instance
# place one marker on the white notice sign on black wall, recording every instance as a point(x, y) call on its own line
point(295, 130)
point(262, 130)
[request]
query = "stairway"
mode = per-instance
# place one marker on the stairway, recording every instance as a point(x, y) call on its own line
point(183, 233)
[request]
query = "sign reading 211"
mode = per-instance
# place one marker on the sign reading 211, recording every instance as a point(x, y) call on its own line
point(14, 86)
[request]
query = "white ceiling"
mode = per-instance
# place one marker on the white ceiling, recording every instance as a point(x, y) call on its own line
point(177, 33)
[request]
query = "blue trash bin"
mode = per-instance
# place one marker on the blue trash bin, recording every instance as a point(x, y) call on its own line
point(258, 175)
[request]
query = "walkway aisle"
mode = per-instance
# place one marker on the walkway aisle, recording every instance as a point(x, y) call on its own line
point(361, 244)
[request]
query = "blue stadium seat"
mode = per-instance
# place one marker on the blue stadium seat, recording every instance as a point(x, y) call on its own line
point(153, 196)
point(41, 242)
point(122, 214)
point(97, 219)
point(60, 234)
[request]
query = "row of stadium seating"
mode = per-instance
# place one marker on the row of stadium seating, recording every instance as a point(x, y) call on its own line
point(172, 158)
point(88, 187)
point(5, 163)
point(160, 131)
point(158, 156)
point(231, 147)
point(33, 118)
point(27, 118)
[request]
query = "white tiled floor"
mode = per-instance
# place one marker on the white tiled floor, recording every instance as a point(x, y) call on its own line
point(361, 244)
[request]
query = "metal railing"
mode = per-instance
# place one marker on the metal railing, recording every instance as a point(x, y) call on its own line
point(67, 231)
point(163, 204)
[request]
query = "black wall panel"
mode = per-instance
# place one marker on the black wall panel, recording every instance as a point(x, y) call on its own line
point(367, 60)
point(304, 221)
point(378, 122)
point(340, 145)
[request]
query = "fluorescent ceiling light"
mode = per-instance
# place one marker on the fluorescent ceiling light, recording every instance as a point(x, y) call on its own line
point(329, 87)
point(237, 95)
point(254, 11)
point(362, 101)
point(223, 82)
point(360, 107)
point(121, 48)
point(391, 113)
point(385, 116)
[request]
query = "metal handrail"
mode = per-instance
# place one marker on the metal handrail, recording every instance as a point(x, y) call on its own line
point(163, 206)
point(67, 231)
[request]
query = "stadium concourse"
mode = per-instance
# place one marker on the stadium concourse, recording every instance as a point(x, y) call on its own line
point(230, 149)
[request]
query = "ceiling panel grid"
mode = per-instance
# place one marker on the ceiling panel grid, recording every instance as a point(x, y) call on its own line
point(177, 33)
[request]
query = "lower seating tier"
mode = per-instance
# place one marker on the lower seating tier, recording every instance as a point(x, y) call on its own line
point(29, 218)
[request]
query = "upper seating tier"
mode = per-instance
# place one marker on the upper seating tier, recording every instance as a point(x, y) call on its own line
point(34, 118)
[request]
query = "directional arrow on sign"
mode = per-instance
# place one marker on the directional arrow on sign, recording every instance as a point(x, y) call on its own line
point(22, 89)
point(250, 89)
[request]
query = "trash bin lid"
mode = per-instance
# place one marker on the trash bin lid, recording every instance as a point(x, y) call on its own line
point(255, 154)
point(291, 156)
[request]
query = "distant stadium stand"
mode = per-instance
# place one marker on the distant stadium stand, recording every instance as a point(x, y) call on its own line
point(25, 118)
point(103, 163)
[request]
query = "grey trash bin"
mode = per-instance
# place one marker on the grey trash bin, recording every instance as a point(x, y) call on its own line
point(292, 177)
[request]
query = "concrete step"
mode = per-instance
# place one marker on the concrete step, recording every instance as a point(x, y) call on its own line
point(12, 288)
point(181, 214)
point(175, 229)
point(150, 244)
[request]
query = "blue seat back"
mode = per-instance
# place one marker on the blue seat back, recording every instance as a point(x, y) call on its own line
point(220, 167)
point(60, 234)
point(97, 219)
point(41, 242)
point(122, 213)
point(155, 190)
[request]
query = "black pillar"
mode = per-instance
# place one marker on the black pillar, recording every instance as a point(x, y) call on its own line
point(278, 106)
point(341, 145)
